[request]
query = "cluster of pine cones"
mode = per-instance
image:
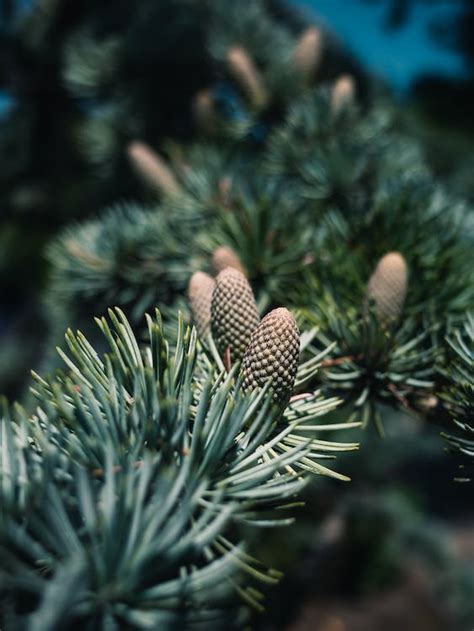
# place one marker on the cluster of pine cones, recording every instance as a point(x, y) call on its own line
point(225, 308)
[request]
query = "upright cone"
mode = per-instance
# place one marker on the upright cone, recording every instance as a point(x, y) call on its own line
point(308, 52)
point(225, 190)
point(200, 290)
point(204, 112)
point(387, 286)
point(243, 70)
point(343, 93)
point(224, 257)
point(273, 354)
point(152, 168)
point(234, 314)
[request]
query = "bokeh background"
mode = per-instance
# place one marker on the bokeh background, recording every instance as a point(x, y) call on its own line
point(393, 550)
point(424, 50)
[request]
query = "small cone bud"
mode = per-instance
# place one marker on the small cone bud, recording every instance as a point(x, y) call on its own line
point(308, 52)
point(152, 168)
point(387, 286)
point(200, 290)
point(244, 72)
point(427, 404)
point(204, 112)
point(234, 314)
point(273, 354)
point(225, 189)
point(342, 93)
point(226, 257)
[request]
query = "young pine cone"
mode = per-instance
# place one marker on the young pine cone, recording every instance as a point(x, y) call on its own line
point(234, 313)
point(342, 93)
point(200, 290)
point(387, 286)
point(273, 354)
point(308, 52)
point(226, 257)
point(153, 169)
point(204, 111)
point(246, 75)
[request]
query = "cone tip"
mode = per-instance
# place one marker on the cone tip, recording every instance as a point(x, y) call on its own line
point(229, 272)
point(392, 259)
point(198, 279)
point(281, 312)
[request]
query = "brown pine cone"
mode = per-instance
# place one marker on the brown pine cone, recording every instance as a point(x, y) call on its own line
point(387, 286)
point(234, 314)
point(273, 353)
point(224, 257)
point(200, 289)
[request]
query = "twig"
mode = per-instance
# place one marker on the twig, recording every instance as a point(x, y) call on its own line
point(227, 359)
point(337, 361)
point(403, 400)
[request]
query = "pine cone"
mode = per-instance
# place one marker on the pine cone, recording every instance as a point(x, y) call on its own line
point(200, 290)
point(226, 257)
point(153, 168)
point(273, 354)
point(308, 51)
point(234, 313)
point(204, 111)
point(388, 286)
point(247, 76)
point(225, 190)
point(343, 93)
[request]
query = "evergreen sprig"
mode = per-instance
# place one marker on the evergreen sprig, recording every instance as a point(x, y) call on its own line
point(459, 393)
point(132, 256)
point(119, 494)
point(371, 363)
point(268, 228)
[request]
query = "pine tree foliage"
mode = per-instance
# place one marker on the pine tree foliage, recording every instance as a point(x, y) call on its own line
point(268, 229)
point(309, 197)
point(119, 494)
point(371, 364)
point(459, 393)
point(90, 65)
point(125, 82)
point(332, 158)
point(243, 59)
point(133, 256)
point(125, 494)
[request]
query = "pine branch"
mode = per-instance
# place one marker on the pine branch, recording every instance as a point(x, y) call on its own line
point(126, 481)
